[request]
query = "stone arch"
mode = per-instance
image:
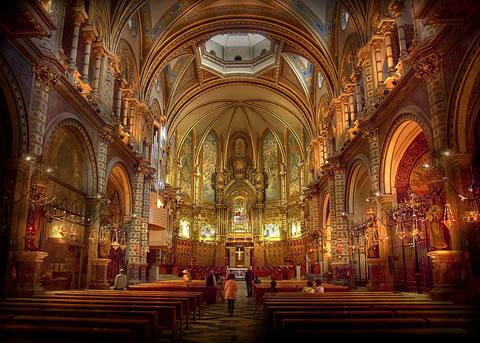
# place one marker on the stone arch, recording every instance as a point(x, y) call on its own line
point(72, 123)
point(408, 124)
point(464, 101)
point(118, 173)
point(358, 186)
point(14, 116)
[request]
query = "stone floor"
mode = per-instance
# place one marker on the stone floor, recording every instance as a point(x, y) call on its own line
point(216, 325)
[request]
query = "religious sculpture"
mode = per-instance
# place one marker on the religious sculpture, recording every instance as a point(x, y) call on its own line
point(371, 237)
point(436, 230)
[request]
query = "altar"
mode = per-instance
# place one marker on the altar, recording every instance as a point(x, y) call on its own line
point(239, 272)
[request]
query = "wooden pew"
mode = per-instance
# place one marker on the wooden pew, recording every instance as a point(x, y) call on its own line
point(354, 323)
point(62, 334)
point(188, 306)
point(151, 316)
point(140, 328)
point(196, 297)
point(279, 316)
point(167, 314)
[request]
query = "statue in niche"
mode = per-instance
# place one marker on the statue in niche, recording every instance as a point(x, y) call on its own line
point(437, 233)
point(371, 237)
point(239, 160)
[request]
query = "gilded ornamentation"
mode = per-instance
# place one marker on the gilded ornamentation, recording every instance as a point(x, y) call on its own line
point(397, 7)
point(46, 77)
point(142, 166)
point(106, 136)
point(428, 68)
point(370, 133)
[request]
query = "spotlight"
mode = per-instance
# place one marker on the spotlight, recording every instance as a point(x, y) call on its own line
point(378, 194)
point(28, 158)
point(49, 170)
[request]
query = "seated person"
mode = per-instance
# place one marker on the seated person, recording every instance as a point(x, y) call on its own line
point(257, 280)
point(318, 286)
point(273, 287)
point(309, 288)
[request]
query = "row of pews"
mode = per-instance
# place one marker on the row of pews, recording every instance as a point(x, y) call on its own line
point(367, 314)
point(209, 292)
point(99, 316)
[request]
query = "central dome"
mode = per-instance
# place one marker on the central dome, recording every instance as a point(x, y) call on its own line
point(238, 46)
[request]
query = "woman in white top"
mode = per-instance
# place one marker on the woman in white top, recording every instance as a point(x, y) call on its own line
point(318, 286)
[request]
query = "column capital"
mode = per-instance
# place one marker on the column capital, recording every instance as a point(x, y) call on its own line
point(89, 34)
point(120, 83)
point(427, 67)
point(364, 54)
point(79, 16)
point(387, 26)
point(106, 135)
point(142, 166)
point(369, 131)
point(376, 43)
point(99, 50)
point(396, 7)
point(46, 77)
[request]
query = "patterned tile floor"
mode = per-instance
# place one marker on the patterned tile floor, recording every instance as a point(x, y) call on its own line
point(216, 325)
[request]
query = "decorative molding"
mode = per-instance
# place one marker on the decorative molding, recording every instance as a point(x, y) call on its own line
point(46, 77)
point(428, 67)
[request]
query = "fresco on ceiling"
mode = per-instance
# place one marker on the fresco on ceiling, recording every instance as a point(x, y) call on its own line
point(293, 166)
point(208, 231)
point(209, 167)
point(304, 69)
point(173, 69)
point(322, 27)
point(270, 166)
point(186, 154)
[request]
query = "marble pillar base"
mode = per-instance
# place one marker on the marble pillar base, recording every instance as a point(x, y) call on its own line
point(133, 273)
point(143, 272)
point(378, 280)
point(447, 267)
point(29, 275)
point(340, 273)
point(98, 278)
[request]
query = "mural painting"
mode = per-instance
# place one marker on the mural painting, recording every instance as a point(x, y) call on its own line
point(186, 171)
point(209, 167)
point(184, 229)
point(293, 166)
point(270, 166)
point(271, 230)
point(208, 231)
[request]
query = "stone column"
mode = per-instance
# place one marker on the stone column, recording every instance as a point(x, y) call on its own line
point(351, 104)
point(126, 94)
point(346, 115)
point(135, 249)
point(365, 58)
point(105, 138)
point(397, 9)
point(99, 52)
point(29, 265)
point(387, 32)
point(89, 36)
point(119, 84)
point(377, 45)
point(98, 276)
point(340, 263)
point(428, 68)
point(358, 99)
point(370, 132)
point(131, 119)
point(447, 270)
point(78, 17)
point(144, 248)
point(45, 79)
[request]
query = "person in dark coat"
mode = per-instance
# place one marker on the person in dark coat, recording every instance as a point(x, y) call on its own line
point(249, 280)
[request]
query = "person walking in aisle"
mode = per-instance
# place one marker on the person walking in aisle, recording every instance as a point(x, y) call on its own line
point(231, 288)
point(249, 280)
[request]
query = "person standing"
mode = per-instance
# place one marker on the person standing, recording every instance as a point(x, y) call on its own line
point(120, 281)
point(231, 288)
point(210, 279)
point(249, 280)
point(220, 281)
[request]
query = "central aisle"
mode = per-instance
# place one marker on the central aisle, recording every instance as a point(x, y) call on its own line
point(216, 324)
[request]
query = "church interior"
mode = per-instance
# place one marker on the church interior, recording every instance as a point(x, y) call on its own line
point(331, 140)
